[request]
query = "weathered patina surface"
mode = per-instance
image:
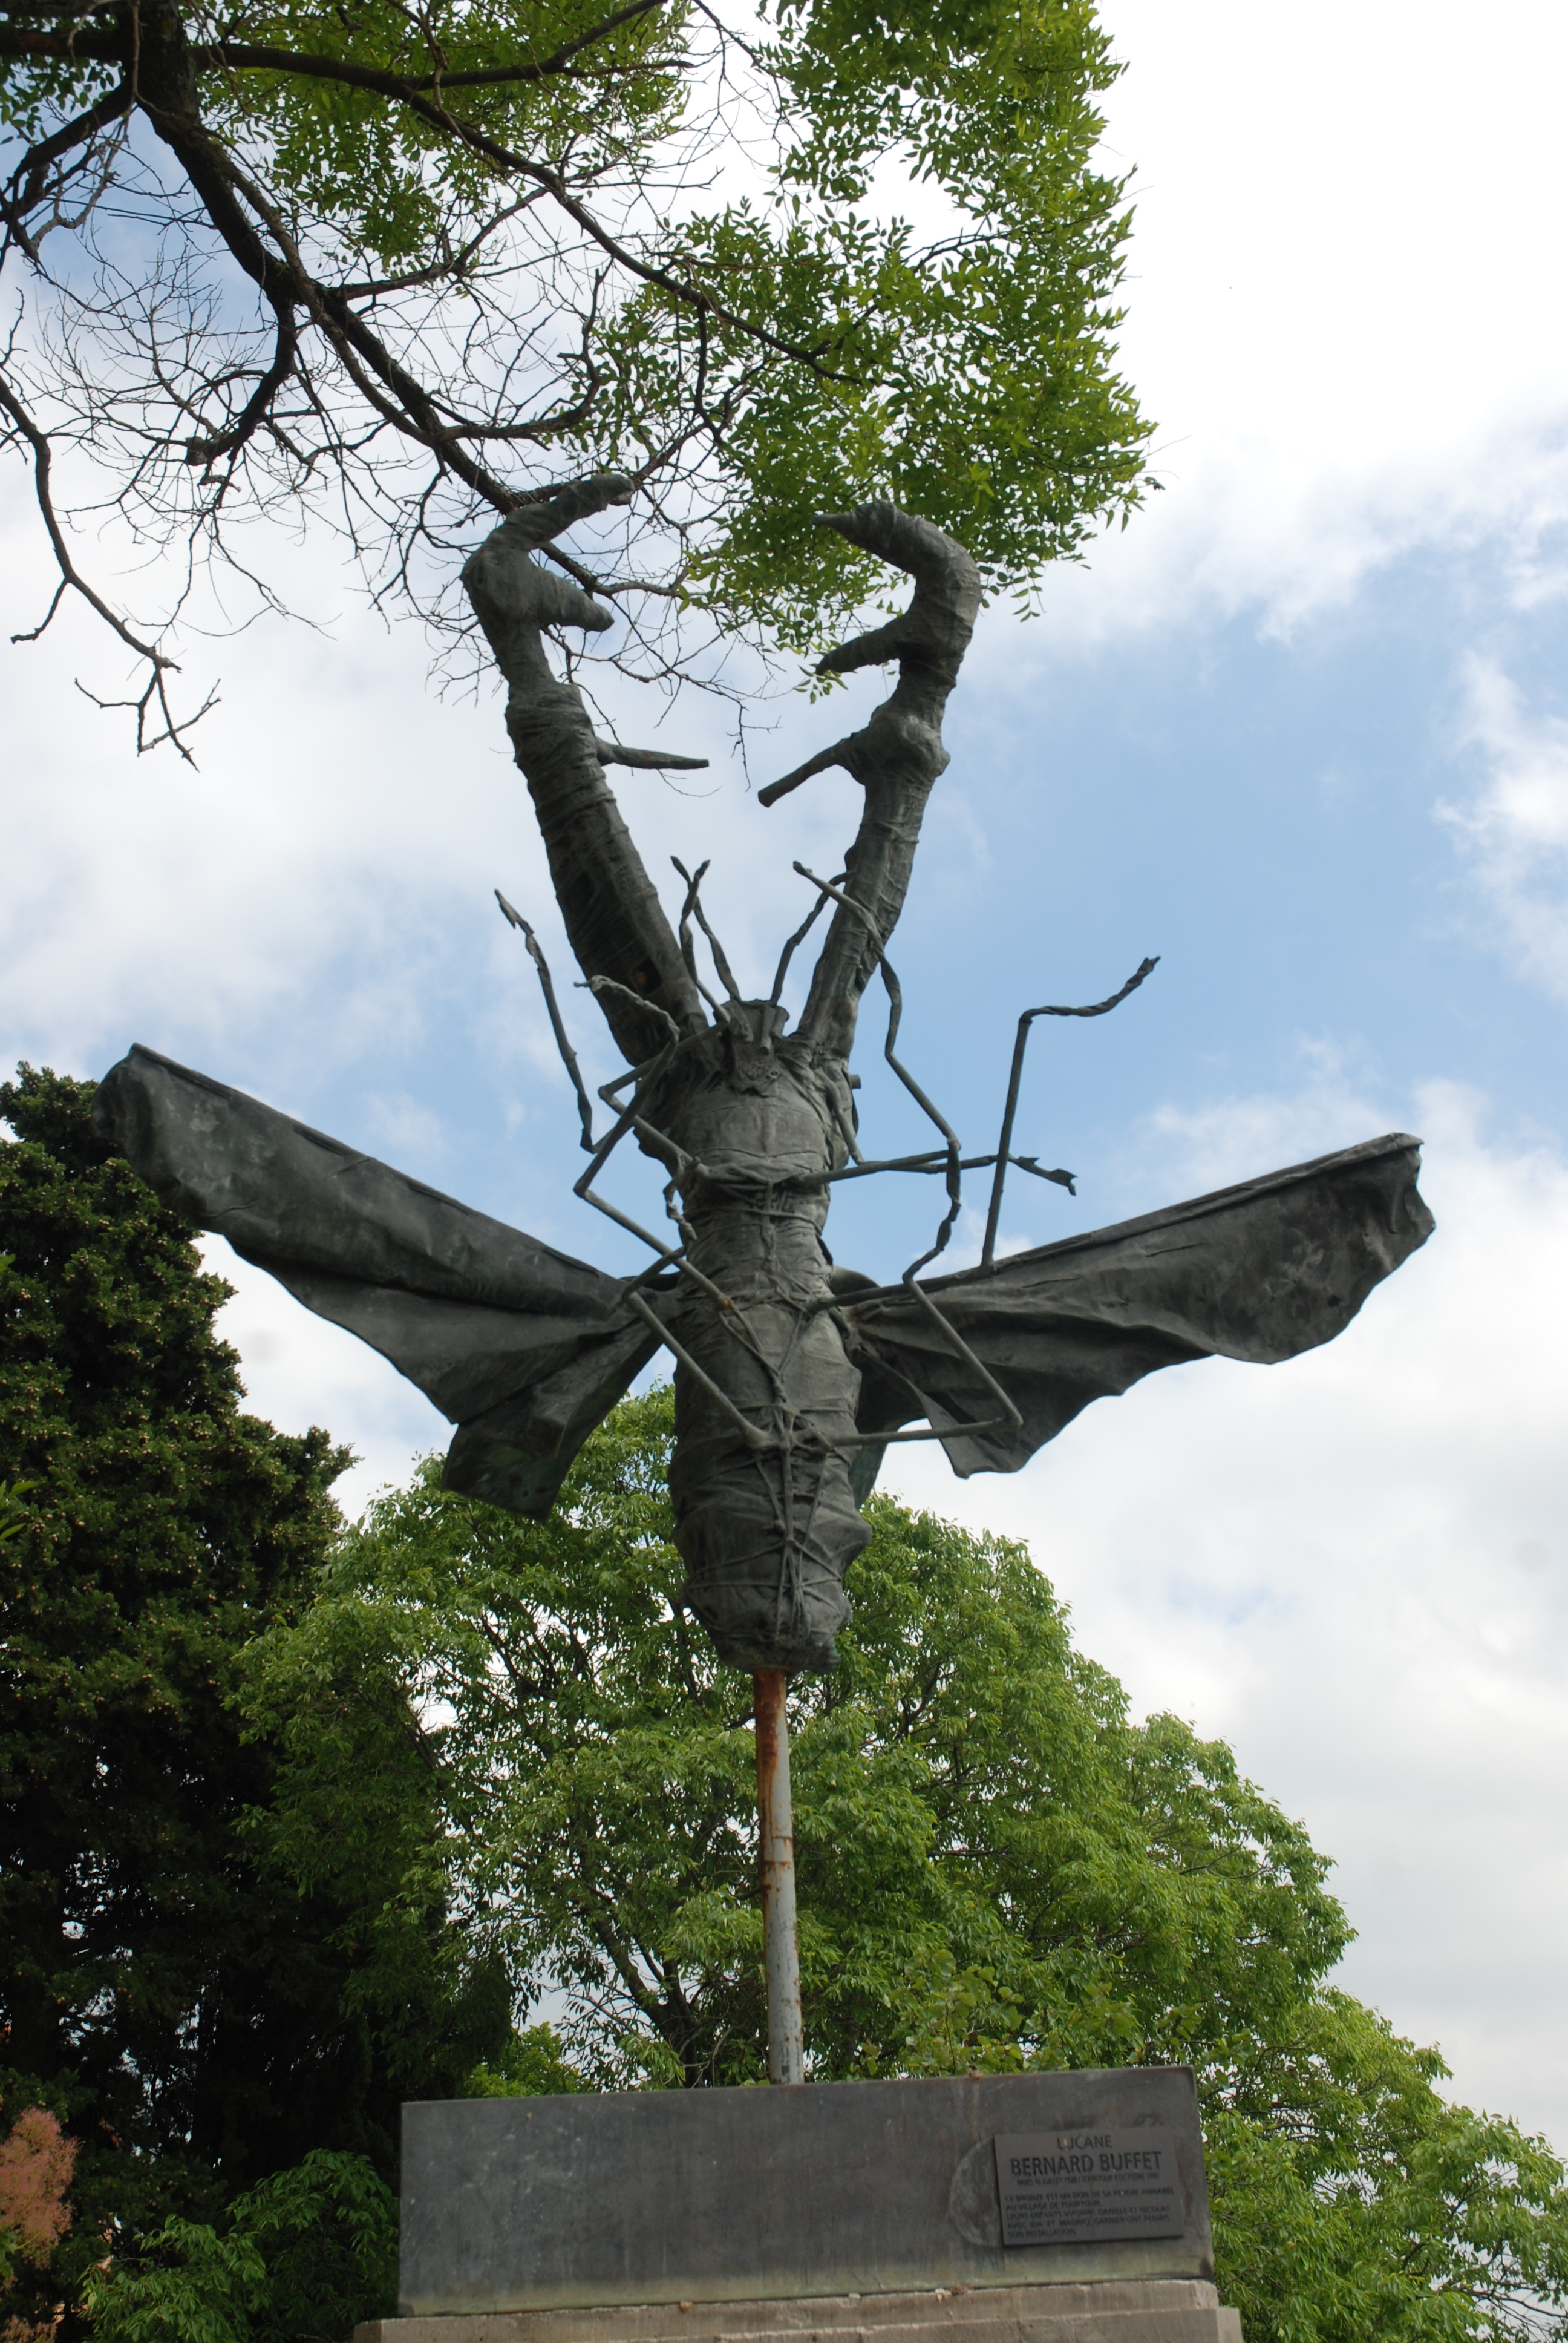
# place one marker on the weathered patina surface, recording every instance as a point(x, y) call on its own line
point(790, 1374)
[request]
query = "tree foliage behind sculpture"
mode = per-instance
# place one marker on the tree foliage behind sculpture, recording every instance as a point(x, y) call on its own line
point(967, 1791)
point(396, 269)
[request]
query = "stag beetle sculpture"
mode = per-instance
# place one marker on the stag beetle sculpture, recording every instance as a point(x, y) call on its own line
point(791, 1375)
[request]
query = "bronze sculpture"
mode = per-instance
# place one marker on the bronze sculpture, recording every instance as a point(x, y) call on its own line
point(791, 1375)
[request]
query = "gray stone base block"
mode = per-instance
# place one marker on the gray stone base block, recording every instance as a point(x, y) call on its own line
point(824, 2191)
point(1148, 2310)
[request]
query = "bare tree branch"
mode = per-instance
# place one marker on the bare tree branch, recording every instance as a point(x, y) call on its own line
point(71, 579)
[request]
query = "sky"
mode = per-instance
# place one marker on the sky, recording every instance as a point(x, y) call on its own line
point(1299, 731)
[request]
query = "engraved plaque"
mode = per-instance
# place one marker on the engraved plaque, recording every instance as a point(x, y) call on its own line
point(1070, 2188)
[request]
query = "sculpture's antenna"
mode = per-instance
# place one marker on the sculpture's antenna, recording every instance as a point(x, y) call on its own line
point(895, 1017)
point(569, 1055)
point(693, 904)
point(1097, 1009)
point(689, 949)
point(798, 938)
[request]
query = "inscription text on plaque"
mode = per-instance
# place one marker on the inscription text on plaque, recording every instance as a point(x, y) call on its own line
point(1072, 2188)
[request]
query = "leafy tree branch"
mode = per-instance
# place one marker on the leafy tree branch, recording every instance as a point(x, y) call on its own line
point(478, 252)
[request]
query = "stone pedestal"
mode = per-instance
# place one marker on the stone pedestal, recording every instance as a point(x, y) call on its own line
point(1014, 2209)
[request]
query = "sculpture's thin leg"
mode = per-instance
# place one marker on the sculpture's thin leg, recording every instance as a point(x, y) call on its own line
point(786, 2053)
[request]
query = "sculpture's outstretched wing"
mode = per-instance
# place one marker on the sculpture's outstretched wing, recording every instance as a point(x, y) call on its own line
point(523, 1348)
point(1258, 1271)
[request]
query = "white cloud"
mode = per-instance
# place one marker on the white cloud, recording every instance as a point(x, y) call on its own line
point(1514, 829)
point(1338, 312)
point(1354, 1568)
point(1211, 1146)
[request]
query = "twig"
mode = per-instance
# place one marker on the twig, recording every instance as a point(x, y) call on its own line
point(71, 579)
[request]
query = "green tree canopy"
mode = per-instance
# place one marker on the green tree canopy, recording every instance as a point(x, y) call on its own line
point(997, 1868)
point(397, 268)
point(195, 2021)
point(973, 1808)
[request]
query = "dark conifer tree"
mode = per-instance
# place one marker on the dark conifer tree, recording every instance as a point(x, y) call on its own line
point(196, 2021)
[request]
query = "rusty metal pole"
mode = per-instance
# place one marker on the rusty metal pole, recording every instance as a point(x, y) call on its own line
point(776, 1840)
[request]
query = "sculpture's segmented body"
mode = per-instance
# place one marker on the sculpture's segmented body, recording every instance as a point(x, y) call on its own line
point(766, 1524)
